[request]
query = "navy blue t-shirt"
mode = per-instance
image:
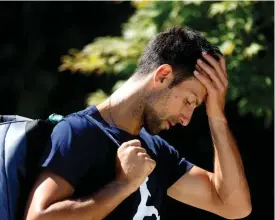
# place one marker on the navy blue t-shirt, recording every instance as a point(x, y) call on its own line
point(84, 155)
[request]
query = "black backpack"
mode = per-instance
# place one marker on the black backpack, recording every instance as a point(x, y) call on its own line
point(23, 144)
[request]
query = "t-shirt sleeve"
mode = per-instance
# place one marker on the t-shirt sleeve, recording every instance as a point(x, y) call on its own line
point(74, 150)
point(173, 163)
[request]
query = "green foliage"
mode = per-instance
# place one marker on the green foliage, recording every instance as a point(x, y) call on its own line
point(242, 29)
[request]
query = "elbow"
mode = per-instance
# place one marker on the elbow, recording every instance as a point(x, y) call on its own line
point(35, 215)
point(244, 212)
point(239, 212)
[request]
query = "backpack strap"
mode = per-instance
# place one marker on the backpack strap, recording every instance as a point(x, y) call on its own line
point(13, 118)
point(12, 153)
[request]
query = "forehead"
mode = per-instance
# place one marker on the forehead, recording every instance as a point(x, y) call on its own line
point(192, 85)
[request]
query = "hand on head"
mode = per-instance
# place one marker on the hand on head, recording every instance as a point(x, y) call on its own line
point(214, 78)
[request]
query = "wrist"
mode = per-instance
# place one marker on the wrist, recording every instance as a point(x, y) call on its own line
point(218, 124)
point(125, 187)
point(217, 115)
point(221, 119)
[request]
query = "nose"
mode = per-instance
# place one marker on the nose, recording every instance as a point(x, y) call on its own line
point(186, 117)
point(184, 120)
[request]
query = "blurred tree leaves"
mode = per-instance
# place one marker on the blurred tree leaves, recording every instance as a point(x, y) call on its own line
point(242, 29)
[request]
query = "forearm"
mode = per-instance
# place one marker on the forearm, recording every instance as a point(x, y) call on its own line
point(98, 206)
point(229, 176)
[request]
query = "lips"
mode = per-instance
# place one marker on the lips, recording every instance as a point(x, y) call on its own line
point(170, 123)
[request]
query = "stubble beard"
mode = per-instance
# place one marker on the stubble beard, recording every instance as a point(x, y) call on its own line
point(152, 120)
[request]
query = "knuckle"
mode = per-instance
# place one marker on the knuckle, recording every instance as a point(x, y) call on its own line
point(125, 144)
point(151, 161)
point(134, 149)
point(140, 154)
point(222, 89)
point(137, 142)
point(213, 90)
point(140, 149)
point(131, 143)
point(130, 150)
point(143, 150)
point(215, 64)
point(143, 154)
point(211, 71)
point(153, 164)
point(216, 91)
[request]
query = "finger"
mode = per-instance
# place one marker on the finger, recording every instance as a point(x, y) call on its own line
point(223, 64)
point(212, 74)
point(134, 142)
point(198, 68)
point(144, 155)
point(140, 150)
point(201, 71)
point(222, 61)
point(217, 66)
point(205, 81)
point(151, 162)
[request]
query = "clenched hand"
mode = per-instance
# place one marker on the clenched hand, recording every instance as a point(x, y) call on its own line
point(133, 164)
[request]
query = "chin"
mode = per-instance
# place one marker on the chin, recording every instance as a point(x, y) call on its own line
point(153, 126)
point(152, 131)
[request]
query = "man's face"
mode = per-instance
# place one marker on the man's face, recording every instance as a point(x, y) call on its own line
point(171, 106)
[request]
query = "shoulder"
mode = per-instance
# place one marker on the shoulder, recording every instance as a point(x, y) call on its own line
point(75, 123)
point(76, 145)
point(76, 131)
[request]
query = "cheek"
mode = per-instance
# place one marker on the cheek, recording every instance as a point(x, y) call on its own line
point(162, 104)
point(175, 105)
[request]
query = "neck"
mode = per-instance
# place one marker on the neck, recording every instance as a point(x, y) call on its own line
point(127, 106)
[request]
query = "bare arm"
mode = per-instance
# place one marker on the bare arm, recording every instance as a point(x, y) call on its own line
point(229, 178)
point(49, 200)
point(224, 192)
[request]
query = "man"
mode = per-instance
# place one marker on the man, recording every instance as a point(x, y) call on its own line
point(107, 161)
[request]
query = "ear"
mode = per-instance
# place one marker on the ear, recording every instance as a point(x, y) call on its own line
point(163, 76)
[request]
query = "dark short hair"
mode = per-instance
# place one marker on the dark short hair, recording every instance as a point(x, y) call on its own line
point(179, 47)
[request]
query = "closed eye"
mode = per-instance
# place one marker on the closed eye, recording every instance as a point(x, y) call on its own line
point(187, 102)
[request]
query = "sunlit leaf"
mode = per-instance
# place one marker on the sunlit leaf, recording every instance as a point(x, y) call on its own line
point(252, 50)
point(140, 3)
point(217, 8)
point(118, 85)
point(268, 81)
point(239, 28)
point(227, 47)
point(96, 97)
point(248, 25)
